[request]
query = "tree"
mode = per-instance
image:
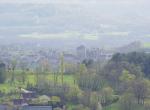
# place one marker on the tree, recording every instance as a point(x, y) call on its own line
point(82, 69)
point(55, 99)
point(14, 64)
point(113, 71)
point(70, 68)
point(80, 107)
point(45, 65)
point(55, 78)
point(40, 100)
point(106, 96)
point(94, 100)
point(126, 80)
point(140, 59)
point(127, 77)
point(2, 73)
point(140, 90)
point(37, 75)
point(147, 106)
point(84, 98)
point(90, 82)
point(23, 66)
point(127, 102)
point(73, 94)
point(88, 63)
point(62, 67)
point(99, 106)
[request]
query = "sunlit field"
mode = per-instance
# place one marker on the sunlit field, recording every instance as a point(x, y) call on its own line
point(31, 79)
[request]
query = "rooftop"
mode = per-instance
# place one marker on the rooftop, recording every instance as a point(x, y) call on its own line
point(37, 108)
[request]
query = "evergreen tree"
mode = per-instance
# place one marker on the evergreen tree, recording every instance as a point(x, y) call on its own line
point(2, 73)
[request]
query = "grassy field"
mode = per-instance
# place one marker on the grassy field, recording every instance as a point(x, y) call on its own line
point(30, 78)
point(146, 45)
point(112, 107)
point(69, 79)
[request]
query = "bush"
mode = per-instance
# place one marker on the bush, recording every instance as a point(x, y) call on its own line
point(55, 99)
point(90, 82)
point(73, 93)
point(80, 107)
point(2, 73)
point(107, 97)
point(127, 102)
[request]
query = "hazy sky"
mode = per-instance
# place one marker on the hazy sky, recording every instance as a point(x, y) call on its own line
point(106, 17)
point(75, 1)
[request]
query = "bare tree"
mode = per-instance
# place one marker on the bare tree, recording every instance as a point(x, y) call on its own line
point(13, 64)
point(140, 90)
point(62, 67)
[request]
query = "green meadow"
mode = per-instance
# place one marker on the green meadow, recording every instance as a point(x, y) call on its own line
point(31, 79)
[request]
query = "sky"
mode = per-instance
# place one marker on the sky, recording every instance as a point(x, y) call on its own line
point(114, 18)
point(76, 1)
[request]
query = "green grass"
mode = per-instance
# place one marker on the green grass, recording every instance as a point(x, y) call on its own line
point(69, 79)
point(112, 107)
point(70, 106)
point(146, 45)
point(7, 87)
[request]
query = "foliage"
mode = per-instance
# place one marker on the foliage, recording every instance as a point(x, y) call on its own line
point(2, 73)
point(70, 68)
point(80, 107)
point(40, 100)
point(90, 82)
point(94, 100)
point(141, 90)
point(127, 102)
point(73, 94)
point(106, 96)
point(55, 99)
point(139, 59)
point(126, 76)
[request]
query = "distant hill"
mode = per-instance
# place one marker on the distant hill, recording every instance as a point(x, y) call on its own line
point(98, 24)
point(134, 46)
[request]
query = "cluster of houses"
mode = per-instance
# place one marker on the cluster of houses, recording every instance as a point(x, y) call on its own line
point(93, 53)
point(30, 107)
point(34, 57)
point(22, 103)
point(24, 97)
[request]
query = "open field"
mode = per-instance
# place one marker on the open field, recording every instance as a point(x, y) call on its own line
point(31, 78)
point(146, 45)
point(112, 107)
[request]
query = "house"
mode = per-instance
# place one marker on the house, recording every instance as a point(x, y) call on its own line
point(81, 52)
point(19, 102)
point(28, 96)
point(25, 94)
point(70, 58)
point(37, 108)
point(3, 107)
